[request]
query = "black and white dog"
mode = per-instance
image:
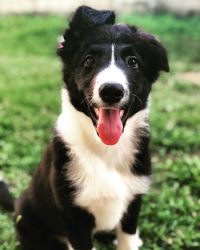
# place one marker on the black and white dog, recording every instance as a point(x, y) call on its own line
point(94, 172)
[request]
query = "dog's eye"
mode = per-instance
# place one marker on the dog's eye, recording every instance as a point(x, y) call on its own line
point(132, 62)
point(89, 61)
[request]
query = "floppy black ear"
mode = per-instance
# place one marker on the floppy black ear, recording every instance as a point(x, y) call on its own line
point(83, 19)
point(153, 54)
point(86, 17)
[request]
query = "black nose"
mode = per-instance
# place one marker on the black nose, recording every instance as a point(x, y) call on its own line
point(111, 92)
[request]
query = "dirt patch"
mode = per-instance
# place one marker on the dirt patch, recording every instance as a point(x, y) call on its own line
point(191, 77)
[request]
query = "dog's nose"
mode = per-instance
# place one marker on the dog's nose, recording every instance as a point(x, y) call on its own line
point(111, 92)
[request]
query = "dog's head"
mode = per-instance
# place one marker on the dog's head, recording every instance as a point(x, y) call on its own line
point(109, 69)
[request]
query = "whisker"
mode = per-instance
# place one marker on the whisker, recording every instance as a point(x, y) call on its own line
point(126, 116)
point(84, 100)
point(137, 98)
point(87, 101)
point(94, 118)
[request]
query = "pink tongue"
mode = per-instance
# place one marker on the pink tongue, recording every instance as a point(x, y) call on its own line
point(109, 126)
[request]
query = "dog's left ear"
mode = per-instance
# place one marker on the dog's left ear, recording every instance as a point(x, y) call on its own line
point(153, 55)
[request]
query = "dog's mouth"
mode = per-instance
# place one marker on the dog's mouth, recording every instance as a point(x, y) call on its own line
point(109, 124)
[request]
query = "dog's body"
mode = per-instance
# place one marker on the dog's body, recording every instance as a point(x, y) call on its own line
point(97, 167)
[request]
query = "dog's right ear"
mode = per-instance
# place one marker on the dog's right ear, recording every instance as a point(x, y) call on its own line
point(83, 19)
point(86, 17)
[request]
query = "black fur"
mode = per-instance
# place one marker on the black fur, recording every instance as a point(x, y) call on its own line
point(130, 219)
point(6, 200)
point(86, 17)
point(151, 57)
point(47, 209)
point(46, 212)
point(143, 159)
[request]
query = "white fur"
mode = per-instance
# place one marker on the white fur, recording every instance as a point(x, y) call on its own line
point(1, 178)
point(127, 241)
point(66, 242)
point(101, 173)
point(111, 74)
point(60, 39)
point(71, 248)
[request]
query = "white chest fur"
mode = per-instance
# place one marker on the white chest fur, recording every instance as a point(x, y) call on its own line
point(102, 175)
point(104, 191)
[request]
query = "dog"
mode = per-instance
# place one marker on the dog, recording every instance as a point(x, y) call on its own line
point(97, 167)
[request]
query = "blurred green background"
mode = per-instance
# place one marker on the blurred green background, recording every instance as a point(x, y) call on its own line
point(30, 82)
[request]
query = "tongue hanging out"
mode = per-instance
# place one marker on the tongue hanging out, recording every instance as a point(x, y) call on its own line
point(109, 126)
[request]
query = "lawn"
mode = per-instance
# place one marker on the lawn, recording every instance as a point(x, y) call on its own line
point(30, 83)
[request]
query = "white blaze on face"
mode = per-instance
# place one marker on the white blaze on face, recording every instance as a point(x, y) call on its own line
point(111, 74)
point(109, 122)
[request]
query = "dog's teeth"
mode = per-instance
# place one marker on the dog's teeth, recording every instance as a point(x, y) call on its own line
point(121, 113)
point(96, 111)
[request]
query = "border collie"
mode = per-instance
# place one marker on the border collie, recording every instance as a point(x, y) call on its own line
point(97, 167)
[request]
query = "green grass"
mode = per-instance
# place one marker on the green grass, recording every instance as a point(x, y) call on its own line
point(30, 84)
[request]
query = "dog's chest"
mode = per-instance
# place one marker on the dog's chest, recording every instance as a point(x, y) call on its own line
point(106, 196)
point(105, 186)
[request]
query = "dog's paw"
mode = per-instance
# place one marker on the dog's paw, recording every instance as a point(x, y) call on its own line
point(129, 242)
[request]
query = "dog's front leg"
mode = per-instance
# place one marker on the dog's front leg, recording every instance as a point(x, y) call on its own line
point(80, 227)
point(81, 241)
point(127, 235)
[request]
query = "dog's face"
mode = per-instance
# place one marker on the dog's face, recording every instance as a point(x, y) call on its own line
point(109, 69)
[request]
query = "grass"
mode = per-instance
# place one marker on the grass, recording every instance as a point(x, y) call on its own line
point(30, 84)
